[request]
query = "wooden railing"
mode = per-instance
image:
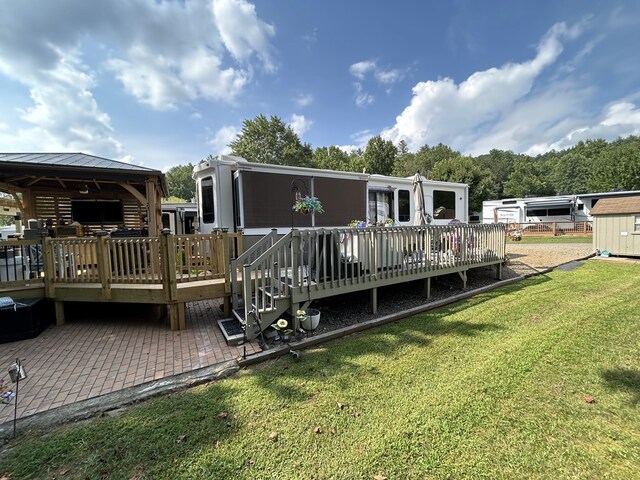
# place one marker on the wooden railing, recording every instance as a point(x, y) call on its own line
point(168, 259)
point(308, 264)
point(552, 228)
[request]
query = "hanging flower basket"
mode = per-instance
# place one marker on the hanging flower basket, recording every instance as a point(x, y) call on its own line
point(308, 204)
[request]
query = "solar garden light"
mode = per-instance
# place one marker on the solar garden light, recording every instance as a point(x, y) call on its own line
point(16, 373)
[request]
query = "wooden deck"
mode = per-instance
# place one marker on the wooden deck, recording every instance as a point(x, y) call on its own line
point(169, 270)
point(281, 275)
point(276, 275)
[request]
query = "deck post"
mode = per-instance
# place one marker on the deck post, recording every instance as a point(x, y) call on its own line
point(49, 267)
point(498, 271)
point(104, 268)
point(59, 306)
point(373, 296)
point(169, 281)
point(427, 287)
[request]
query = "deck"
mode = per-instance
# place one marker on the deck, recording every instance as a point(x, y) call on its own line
point(169, 270)
point(276, 275)
point(281, 275)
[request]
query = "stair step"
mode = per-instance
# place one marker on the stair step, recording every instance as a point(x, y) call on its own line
point(232, 330)
point(238, 314)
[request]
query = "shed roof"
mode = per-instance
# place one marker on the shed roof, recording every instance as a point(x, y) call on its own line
point(612, 206)
point(75, 160)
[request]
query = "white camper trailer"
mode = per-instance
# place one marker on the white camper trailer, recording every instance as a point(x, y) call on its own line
point(180, 218)
point(235, 194)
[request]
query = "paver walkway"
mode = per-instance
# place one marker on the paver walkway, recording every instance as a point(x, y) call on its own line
point(103, 348)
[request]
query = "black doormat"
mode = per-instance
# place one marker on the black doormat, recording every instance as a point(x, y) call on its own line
point(232, 327)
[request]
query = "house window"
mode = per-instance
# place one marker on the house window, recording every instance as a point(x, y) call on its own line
point(380, 206)
point(444, 204)
point(581, 206)
point(636, 224)
point(206, 195)
point(404, 206)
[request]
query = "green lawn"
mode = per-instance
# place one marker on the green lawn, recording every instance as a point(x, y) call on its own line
point(551, 239)
point(493, 387)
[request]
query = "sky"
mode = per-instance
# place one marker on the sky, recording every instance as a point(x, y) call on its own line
point(164, 83)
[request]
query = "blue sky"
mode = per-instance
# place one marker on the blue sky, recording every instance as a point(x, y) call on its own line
point(164, 83)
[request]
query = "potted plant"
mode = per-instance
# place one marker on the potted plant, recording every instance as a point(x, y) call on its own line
point(283, 330)
point(308, 204)
point(308, 319)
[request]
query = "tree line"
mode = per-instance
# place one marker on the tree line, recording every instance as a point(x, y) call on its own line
point(589, 166)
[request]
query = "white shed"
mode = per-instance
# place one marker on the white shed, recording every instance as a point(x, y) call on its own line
point(616, 226)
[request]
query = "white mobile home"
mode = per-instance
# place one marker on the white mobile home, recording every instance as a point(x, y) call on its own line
point(238, 195)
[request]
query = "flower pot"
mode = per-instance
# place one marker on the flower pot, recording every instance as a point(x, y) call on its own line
point(310, 322)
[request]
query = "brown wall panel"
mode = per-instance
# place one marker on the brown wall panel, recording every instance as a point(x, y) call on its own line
point(343, 200)
point(268, 200)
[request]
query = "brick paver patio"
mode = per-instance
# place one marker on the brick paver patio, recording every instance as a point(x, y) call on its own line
point(103, 348)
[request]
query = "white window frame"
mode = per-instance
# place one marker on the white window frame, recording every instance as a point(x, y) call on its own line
point(636, 224)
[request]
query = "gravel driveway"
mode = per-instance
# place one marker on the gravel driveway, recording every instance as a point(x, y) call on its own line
point(526, 258)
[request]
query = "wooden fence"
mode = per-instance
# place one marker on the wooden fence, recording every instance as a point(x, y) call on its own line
point(584, 228)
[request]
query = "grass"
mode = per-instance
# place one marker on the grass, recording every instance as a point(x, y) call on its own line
point(552, 239)
point(493, 387)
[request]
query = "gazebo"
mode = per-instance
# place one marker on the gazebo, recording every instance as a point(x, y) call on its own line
point(57, 186)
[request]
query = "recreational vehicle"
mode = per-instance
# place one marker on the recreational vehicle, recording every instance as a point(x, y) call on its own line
point(559, 208)
point(235, 194)
point(180, 218)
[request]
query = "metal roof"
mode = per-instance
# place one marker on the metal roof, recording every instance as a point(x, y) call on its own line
point(73, 160)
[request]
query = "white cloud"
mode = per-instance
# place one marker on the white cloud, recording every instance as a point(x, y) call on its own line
point(360, 139)
point(222, 138)
point(460, 115)
point(362, 70)
point(243, 33)
point(65, 116)
point(165, 54)
point(300, 124)
point(362, 98)
point(303, 100)
point(620, 119)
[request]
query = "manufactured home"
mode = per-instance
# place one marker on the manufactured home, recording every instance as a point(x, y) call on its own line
point(235, 194)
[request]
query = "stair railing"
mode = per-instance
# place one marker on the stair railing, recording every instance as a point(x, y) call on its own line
point(264, 282)
point(237, 264)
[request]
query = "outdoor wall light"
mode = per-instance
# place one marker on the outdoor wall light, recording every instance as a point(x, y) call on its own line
point(83, 189)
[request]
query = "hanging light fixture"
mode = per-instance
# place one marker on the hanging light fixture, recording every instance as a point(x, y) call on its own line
point(83, 189)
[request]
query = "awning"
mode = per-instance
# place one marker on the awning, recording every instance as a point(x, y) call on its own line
point(550, 203)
